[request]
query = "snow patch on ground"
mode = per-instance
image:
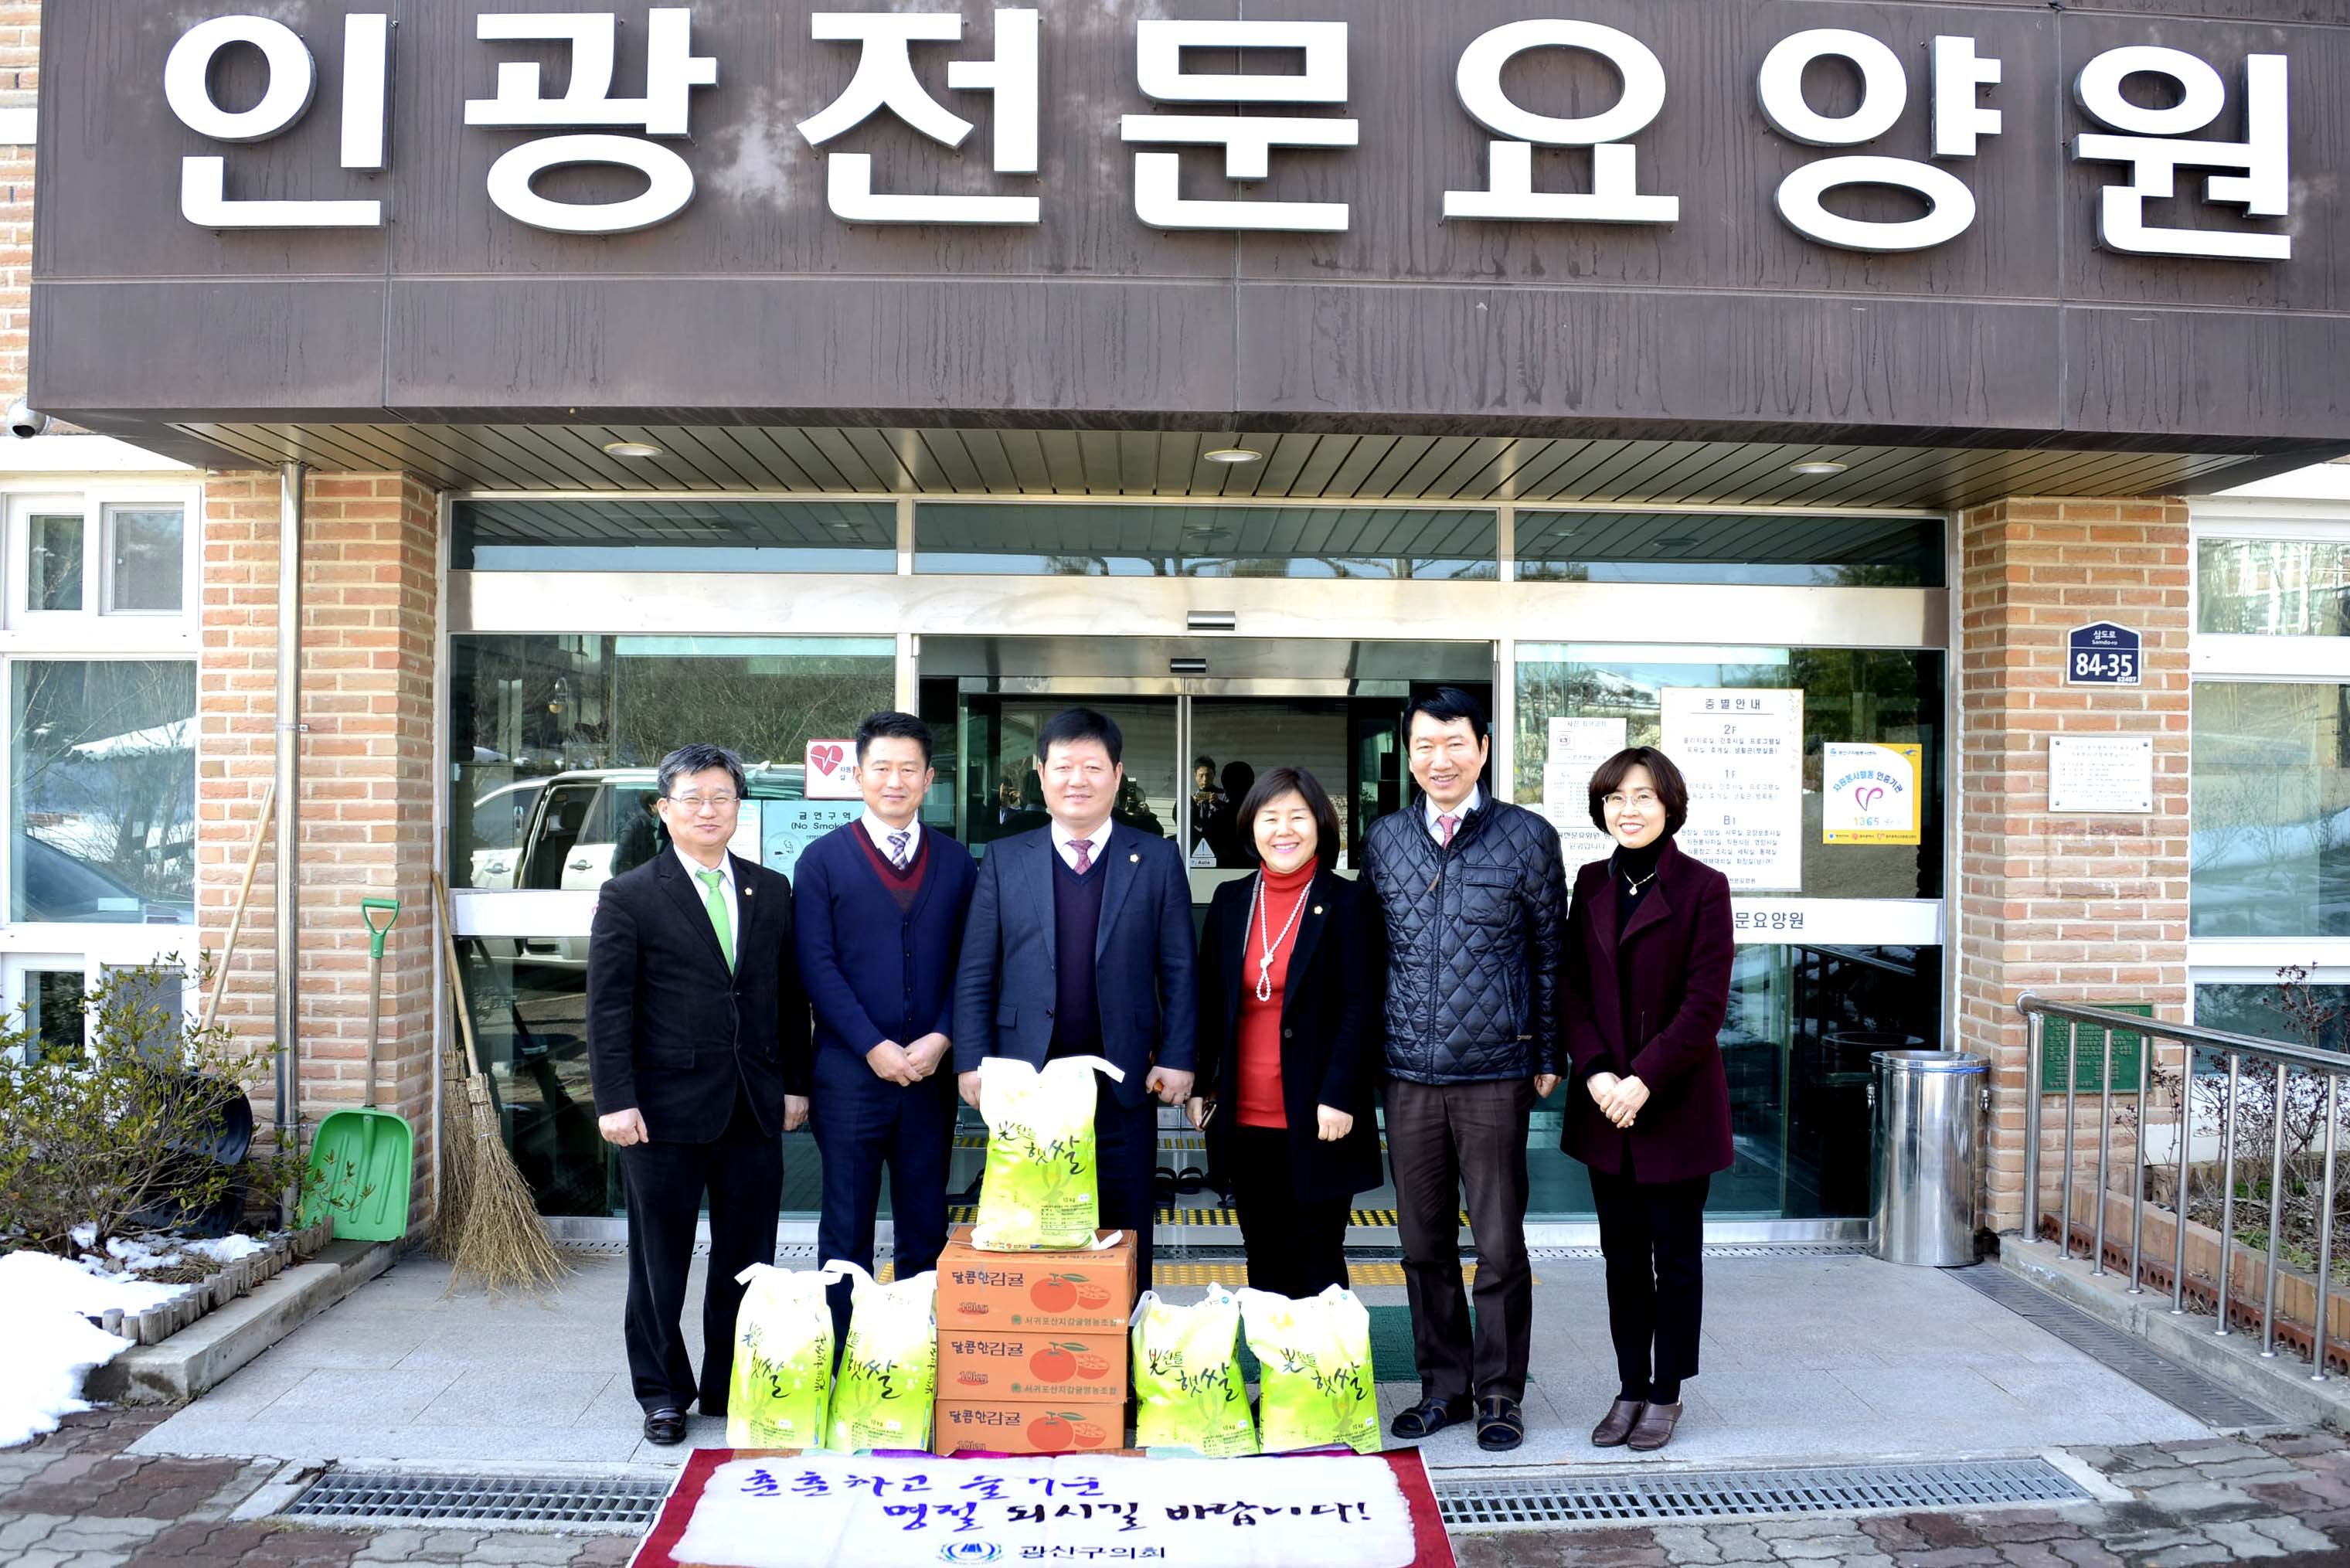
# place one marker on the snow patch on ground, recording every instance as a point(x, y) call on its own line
point(52, 1343)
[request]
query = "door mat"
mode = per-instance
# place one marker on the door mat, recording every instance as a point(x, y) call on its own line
point(770, 1508)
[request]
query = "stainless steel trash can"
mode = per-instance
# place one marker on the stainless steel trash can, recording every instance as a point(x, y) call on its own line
point(1926, 1154)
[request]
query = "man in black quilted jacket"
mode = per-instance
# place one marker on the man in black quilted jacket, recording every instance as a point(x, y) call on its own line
point(1474, 894)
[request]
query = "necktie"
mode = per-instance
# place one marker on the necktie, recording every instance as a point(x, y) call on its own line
point(1083, 848)
point(714, 898)
point(1448, 822)
point(898, 848)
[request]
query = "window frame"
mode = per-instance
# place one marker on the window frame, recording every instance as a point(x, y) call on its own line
point(102, 525)
point(93, 635)
point(2216, 657)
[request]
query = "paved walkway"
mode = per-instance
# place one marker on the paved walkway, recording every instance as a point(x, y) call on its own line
point(1807, 1358)
point(81, 1499)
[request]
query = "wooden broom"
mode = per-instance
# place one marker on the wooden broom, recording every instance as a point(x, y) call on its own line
point(499, 1237)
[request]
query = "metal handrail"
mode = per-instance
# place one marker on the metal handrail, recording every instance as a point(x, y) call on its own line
point(2330, 1067)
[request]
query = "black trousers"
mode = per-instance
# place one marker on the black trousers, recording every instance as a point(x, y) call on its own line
point(1443, 1139)
point(1295, 1248)
point(862, 1124)
point(1652, 1234)
point(1126, 1155)
point(663, 1183)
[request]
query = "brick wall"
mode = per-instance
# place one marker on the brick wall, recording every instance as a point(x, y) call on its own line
point(20, 59)
point(369, 549)
point(2087, 908)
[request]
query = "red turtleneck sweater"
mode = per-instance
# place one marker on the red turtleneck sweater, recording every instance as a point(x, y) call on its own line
point(1260, 1026)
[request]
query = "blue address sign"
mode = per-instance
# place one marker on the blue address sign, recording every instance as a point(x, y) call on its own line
point(2101, 654)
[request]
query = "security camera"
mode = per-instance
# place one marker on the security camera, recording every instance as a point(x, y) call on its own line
point(26, 421)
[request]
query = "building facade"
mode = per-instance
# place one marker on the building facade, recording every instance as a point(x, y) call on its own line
point(1831, 401)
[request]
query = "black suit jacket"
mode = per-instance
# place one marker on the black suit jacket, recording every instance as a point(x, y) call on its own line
point(1143, 957)
point(670, 1031)
point(1649, 1004)
point(1333, 1052)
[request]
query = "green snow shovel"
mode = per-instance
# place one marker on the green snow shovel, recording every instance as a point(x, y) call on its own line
point(361, 1161)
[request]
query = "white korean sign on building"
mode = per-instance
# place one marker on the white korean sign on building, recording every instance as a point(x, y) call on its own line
point(2099, 774)
point(1578, 747)
point(1742, 752)
point(1197, 109)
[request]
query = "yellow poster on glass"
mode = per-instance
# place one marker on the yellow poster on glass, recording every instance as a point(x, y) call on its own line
point(1868, 793)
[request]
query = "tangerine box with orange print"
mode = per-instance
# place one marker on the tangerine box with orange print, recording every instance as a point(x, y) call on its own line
point(1071, 1293)
point(1030, 1365)
point(1060, 1427)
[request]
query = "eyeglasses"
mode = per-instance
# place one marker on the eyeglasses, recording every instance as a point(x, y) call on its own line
point(1643, 798)
point(696, 802)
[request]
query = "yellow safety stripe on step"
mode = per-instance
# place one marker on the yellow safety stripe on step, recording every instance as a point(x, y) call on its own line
point(965, 1213)
point(1234, 1275)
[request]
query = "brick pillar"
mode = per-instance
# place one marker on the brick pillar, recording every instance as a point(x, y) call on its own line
point(369, 556)
point(20, 61)
point(2091, 908)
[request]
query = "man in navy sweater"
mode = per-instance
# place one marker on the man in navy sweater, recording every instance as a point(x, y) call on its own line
point(881, 908)
point(1081, 944)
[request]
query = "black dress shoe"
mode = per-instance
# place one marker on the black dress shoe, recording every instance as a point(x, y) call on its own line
point(1428, 1418)
point(665, 1425)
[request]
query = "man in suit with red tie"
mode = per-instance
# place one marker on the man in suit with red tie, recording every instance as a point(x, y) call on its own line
point(698, 1048)
point(881, 906)
point(1081, 944)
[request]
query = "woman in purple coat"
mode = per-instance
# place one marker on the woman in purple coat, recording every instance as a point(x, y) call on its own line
point(1648, 949)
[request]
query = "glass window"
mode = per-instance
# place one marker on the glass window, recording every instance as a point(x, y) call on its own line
point(558, 739)
point(2273, 587)
point(1778, 548)
point(680, 535)
point(104, 783)
point(2270, 829)
point(53, 1013)
point(1006, 793)
point(1144, 541)
point(146, 560)
point(1888, 697)
point(53, 561)
point(2262, 1011)
point(530, 1020)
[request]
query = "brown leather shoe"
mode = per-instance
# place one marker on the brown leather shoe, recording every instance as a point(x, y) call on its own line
point(1616, 1425)
point(1653, 1429)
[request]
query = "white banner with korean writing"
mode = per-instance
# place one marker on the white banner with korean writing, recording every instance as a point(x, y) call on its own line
point(784, 1511)
point(1741, 751)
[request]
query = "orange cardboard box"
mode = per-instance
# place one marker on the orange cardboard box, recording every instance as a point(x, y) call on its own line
point(1064, 1293)
point(1076, 1426)
point(1030, 1365)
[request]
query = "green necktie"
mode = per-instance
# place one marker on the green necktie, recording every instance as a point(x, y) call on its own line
point(714, 898)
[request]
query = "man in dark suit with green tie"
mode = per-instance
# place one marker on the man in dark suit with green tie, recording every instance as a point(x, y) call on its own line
point(698, 1048)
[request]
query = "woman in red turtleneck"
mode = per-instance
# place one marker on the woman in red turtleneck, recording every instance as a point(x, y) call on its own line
point(1289, 1060)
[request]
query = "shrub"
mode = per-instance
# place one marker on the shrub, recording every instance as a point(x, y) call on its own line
point(110, 1136)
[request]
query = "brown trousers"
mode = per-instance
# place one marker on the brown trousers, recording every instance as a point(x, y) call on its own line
point(1443, 1139)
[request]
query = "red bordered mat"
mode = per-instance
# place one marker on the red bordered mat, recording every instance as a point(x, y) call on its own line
point(1431, 1548)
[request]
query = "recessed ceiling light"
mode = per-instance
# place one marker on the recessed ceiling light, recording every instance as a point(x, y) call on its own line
point(1233, 454)
point(631, 449)
point(1824, 466)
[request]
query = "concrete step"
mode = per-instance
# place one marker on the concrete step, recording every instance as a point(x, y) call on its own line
point(205, 1353)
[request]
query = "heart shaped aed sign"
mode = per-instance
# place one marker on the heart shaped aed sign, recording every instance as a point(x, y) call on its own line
point(831, 771)
point(825, 759)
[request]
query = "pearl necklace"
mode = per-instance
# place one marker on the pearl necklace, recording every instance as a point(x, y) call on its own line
point(1271, 942)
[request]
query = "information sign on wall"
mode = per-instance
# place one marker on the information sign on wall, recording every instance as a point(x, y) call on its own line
point(1578, 747)
point(1742, 752)
point(832, 770)
point(2100, 775)
point(2085, 1046)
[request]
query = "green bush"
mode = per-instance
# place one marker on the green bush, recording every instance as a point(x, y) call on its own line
point(103, 1137)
